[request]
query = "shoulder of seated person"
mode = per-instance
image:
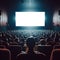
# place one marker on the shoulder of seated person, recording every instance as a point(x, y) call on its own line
point(23, 52)
point(37, 52)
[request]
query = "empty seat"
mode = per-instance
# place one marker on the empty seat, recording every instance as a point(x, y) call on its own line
point(55, 55)
point(5, 54)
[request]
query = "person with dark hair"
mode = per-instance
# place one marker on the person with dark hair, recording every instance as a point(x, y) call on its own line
point(30, 54)
point(30, 45)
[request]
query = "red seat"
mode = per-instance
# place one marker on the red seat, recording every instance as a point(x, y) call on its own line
point(55, 55)
point(5, 54)
point(15, 49)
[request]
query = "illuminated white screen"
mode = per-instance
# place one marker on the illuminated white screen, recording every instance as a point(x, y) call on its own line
point(30, 18)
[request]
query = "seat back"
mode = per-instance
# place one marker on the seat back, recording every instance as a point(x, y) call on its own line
point(5, 54)
point(2, 46)
point(31, 57)
point(15, 49)
point(46, 49)
point(55, 55)
point(56, 47)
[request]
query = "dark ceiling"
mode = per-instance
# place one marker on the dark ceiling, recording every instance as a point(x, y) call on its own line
point(13, 3)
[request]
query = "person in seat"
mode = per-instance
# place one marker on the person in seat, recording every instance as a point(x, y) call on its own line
point(30, 54)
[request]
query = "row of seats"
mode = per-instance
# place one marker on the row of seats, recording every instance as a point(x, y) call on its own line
point(19, 37)
point(11, 52)
point(15, 41)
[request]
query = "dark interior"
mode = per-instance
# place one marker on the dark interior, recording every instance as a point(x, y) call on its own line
point(13, 38)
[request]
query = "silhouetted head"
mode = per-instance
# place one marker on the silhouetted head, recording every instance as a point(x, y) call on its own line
point(30, 42)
